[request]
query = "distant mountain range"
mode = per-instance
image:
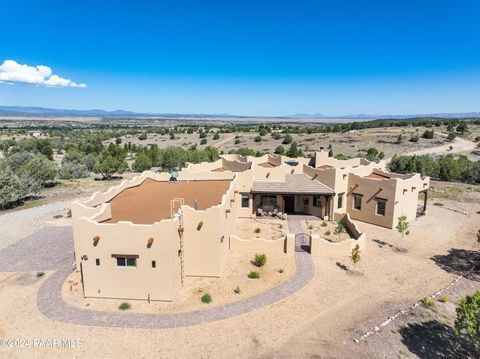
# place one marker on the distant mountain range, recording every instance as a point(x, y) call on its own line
point(363, 116)
point(42, 111)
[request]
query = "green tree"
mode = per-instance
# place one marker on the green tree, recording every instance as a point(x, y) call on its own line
point(203, 141)
point(18, 159)
point(39, 169)
point(294, 151)
point(403, 225)
point(467, 323)
point(399, 139)
point(108, 165)
point(280, 150)
point(142, 162)
point(428, 134)
point(14, 188)
point(216, 136)
point(330, 152)
point(258, 139)
point(451, 136)
point(287, 139)
point(462, 128)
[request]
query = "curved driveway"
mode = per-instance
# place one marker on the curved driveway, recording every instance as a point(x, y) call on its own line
point(51, 248)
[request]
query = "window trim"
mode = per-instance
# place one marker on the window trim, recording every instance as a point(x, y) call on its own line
point(378, 199)
point(355, 195)
point(126, 258)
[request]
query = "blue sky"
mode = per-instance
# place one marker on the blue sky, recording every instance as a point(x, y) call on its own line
point(247, 57)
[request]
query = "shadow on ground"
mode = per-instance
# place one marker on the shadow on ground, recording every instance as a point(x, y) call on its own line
point(433, 340)
point(458, 261)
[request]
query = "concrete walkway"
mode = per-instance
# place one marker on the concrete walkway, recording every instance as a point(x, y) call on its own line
point(58, 241)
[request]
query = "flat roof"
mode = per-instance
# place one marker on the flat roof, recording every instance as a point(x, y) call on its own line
point(150, 201)
point(293, 184)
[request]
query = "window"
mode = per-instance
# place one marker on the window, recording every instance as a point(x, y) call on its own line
point(130, 261)
point(316, 201)
point(97, 261)
point(154, 264)
point(357, 202)
point(381, 206)
point(268, 200)
point(340, 201)
point(245, 200)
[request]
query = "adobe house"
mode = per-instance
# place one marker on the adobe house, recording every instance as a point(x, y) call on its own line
point(140, 239)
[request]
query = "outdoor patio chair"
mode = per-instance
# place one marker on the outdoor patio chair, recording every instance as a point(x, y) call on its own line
point(259, 212)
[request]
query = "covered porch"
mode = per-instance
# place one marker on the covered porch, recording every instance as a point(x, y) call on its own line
point(298, 194)
point(272, 205)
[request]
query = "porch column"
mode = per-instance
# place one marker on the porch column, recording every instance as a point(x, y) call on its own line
point(425, 198)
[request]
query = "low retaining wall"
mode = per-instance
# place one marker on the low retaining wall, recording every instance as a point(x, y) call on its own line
point(321, 247)
point(286, 245)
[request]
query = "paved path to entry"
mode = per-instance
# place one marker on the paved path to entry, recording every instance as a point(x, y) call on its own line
point(51, 248)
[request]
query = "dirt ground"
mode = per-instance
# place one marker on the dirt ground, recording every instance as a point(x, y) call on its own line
point(325, 229)
point(188, 297)
point(319, 321)
point(267, 228)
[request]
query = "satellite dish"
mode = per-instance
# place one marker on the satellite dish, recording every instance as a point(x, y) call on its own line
point(174, 176)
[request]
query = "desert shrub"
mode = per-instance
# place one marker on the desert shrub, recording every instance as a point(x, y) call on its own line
point(428, 302)
point(40, 274)
point(323, 224)
point(258, 139)
point(39, 169)
point(328, 232)
point(143, 136)
point(260, 260)
point(216, 136)
point(237, 290)
point(203, 141)
point(451, 136)
point(77, 165)
point(443, 299)
point(18, 159)
point(237, 141)
point(280, 270)
point(294, 151)
point(341, 156)
point(310, 226)
point(253, 275)
point(14, 187)
point(280, 150)
point(414, 138)
point(467, 323)
point(428, 134)
point(287, 139)
point(124, 306)
point(206, 298)
point(257, 230)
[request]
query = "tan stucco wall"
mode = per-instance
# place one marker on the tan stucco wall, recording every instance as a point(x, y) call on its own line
point(255, 245)
point(108, 280)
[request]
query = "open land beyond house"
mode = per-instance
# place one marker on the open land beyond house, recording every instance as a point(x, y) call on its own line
point(259, 205)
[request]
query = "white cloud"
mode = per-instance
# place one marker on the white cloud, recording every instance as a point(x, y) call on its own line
point(12, 72)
